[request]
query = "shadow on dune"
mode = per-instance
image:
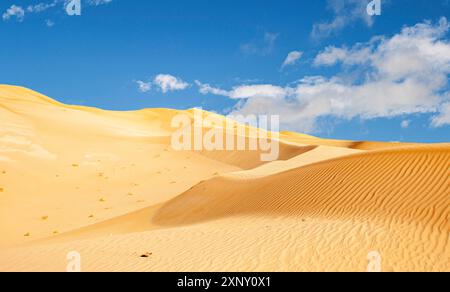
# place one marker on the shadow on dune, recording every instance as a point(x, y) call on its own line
point(247, 160)
point(391, 185)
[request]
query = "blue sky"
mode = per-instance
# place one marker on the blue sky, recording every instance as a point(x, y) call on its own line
point(340, 81)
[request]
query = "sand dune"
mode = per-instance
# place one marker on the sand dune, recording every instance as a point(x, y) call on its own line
point(359, 145)
point(365, 185)
point(311, 155)
point(108, 185)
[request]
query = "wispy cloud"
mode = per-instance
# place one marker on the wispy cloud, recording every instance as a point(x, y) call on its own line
point(19, 12)
point(245, 91)
point(292, 59)
point(443, 118)
point(14, 11)
point(208, 89)
point(345, 13)
point(261, 47)
point(99, 2)
point(405, 124)
point(41, 7)
point(144, 86)
point(49, 23)
point(164, 82)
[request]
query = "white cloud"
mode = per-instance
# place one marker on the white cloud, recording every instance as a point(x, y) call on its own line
point(168, 83)
point(292, 58)
point(144, 86)
point(245, 91)
point(258, 91)
point(443, 118)
point(345, 12)
point(164, 82)
point(14, 11)
point(401, 75)
point(360, 54)
point(314, 98)
point(405, 124)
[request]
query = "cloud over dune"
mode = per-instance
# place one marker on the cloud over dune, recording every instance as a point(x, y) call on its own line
point(399, 75)
point(164, 82)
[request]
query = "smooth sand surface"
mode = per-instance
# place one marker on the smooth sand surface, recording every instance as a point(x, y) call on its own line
point(109, 186)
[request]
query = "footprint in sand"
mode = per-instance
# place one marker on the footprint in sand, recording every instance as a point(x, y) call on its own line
point(75, 165)
point(2, 190)
point(44, 218)
point(102, 200)
point(27, 234)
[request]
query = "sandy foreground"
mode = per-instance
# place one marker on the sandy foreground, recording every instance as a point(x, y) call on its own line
point(109, 186)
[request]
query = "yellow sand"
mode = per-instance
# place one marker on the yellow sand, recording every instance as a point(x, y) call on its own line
point(108, 185)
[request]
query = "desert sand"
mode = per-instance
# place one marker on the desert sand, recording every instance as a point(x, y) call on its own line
point(109, 186)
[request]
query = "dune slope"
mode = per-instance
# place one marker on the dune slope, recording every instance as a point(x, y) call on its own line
point(404, 184)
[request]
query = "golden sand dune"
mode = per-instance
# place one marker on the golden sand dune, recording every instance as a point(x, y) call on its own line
point(410, 184)
point(109, 186)
point(67, 167)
